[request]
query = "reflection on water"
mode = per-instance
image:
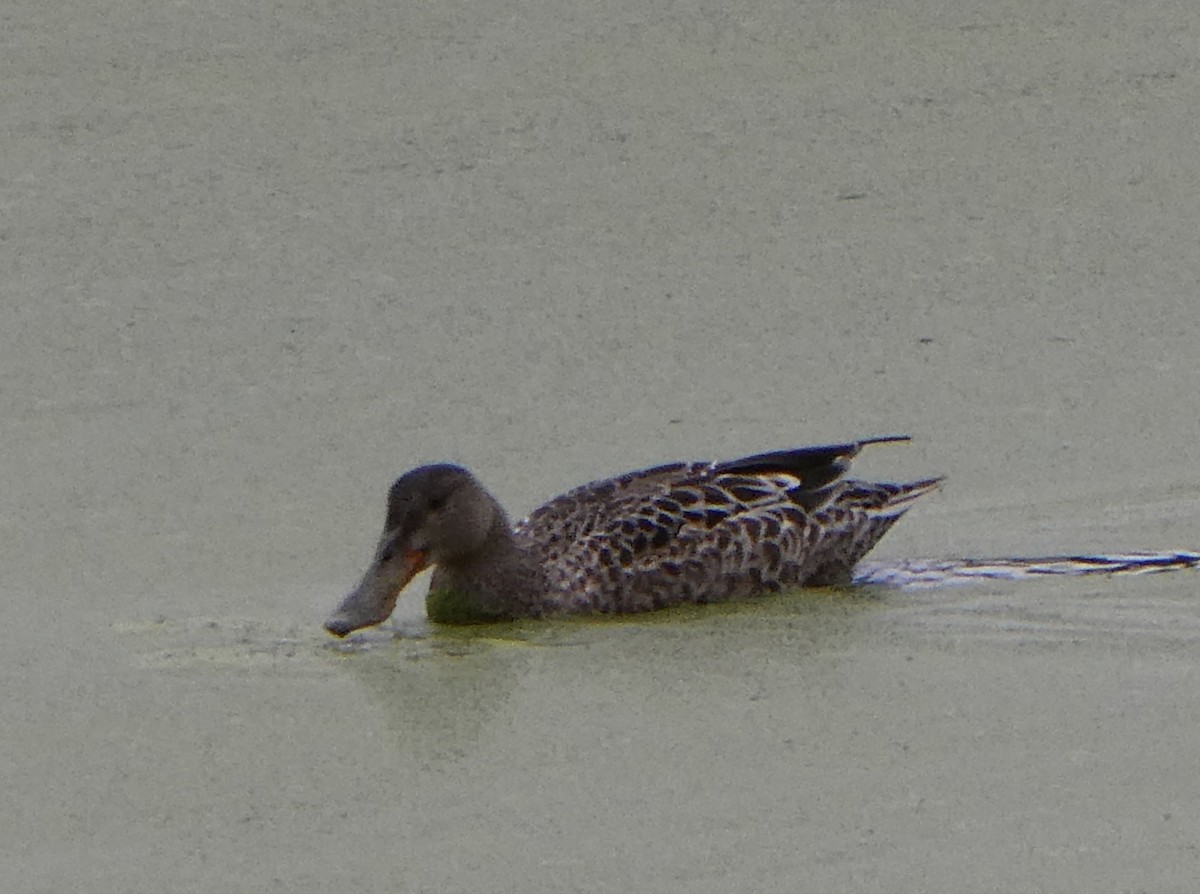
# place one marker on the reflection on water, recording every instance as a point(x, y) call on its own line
point(438, 690)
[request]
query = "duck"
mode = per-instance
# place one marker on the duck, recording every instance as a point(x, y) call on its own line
point(680, 533)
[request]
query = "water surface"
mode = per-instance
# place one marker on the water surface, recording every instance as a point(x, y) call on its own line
point(257, 263)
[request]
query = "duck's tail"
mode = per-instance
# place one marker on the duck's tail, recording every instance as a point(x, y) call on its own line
point(901, 496)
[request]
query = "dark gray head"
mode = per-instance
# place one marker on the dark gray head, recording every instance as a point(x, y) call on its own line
point(435, 515)
point(442, 510)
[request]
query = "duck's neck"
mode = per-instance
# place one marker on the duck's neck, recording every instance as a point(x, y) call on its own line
point(497, 582)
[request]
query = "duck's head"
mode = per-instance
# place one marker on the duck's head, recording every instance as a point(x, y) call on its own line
point(436, 514)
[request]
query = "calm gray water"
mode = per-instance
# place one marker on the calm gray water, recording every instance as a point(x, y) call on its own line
point(258, 261)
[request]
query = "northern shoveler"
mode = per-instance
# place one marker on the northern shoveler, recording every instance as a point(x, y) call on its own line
point(679, 533)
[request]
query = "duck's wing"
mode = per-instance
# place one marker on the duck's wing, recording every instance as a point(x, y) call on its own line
point(594, 504)
point(694, 532)
point(597, 505)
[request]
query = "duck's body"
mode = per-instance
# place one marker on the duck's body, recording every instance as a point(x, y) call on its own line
point(682, 533)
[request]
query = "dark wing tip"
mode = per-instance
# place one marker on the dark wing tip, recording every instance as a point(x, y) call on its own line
point(884, 439)
point(812, 464)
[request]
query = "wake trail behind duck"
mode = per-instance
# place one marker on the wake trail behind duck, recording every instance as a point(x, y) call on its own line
point(933, 573)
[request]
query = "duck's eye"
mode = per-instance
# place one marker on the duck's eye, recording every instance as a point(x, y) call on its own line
point(436, 503)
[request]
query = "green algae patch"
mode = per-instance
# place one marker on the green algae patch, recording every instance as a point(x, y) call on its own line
point(449, 606)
